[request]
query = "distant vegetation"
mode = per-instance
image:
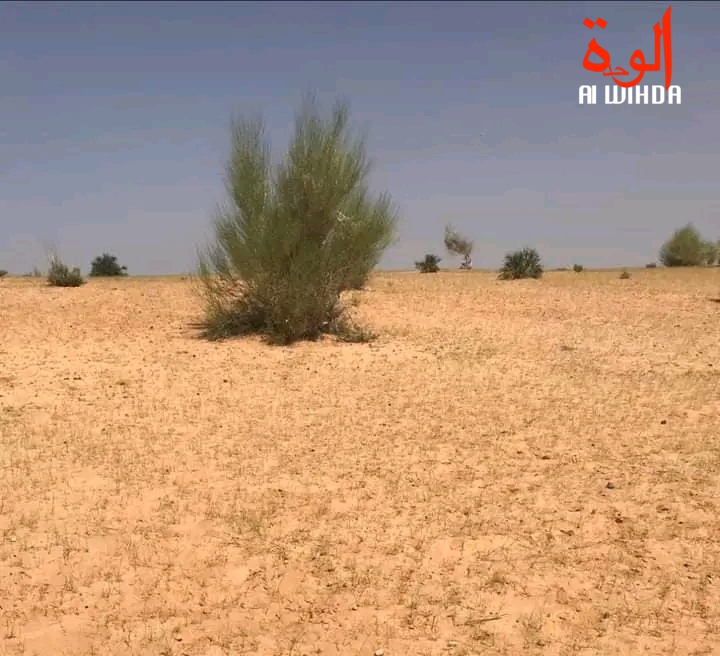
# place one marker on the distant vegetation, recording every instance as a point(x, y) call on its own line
point(291, 240)
point(520, 264)
point(60, 275)
point(106, 265)
point(456, 244)
point(687, 248)
point(431, 264)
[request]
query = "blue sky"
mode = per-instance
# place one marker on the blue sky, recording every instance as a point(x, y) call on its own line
point(114, 123)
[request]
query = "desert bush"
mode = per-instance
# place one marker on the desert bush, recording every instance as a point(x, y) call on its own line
point(625, 274)
point(712, 253)
point(293, 237)
point(3, 273)
point(524, 263)
point(456, 244)
point(431, 264)
point(60, 275)
point(651, 265)
point(578, 268)
point(686, 248)
point(107, 265)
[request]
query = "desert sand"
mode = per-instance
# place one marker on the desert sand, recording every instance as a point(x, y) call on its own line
point(512, 467)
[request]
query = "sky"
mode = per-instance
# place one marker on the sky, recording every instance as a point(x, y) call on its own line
point(114, 123)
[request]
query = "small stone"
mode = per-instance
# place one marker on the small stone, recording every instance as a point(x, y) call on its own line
point(354, 606)
point(379, 652)
point(610, 485)
point(664, 421)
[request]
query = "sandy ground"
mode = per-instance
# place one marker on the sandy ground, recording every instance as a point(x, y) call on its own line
point(513, 467)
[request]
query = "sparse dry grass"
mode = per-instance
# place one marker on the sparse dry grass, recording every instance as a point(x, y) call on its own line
point(528, 467)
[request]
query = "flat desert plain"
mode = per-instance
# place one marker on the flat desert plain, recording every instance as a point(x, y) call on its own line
point(511, 467)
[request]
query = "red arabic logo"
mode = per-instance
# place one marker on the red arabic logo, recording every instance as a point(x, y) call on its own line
point(637, 61)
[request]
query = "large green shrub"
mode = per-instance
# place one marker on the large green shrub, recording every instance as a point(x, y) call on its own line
point(687, 248)
point(293, 237)
point(520, 264)
point(431, 264)
point(106, 265)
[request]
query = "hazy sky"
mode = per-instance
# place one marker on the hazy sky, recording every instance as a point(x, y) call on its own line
point(114, 123)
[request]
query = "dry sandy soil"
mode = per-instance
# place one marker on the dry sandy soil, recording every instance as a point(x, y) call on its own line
point(512, 467)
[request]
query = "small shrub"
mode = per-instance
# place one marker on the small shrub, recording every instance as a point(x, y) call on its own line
point(520, 264)
point(60, 275)
point(106, 265)
point(625, 274)
point(651, 265)
point(578, 268)
point(431, 264)
point(3, 273)
point(456, 244)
